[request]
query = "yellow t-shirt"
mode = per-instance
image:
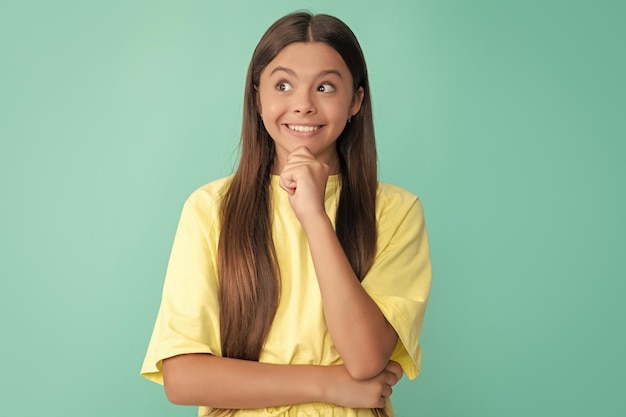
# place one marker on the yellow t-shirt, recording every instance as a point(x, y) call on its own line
point(399, 282)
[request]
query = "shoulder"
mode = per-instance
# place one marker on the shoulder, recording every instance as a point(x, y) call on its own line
point(394, 199)
point(205, 200)
point(400, 218)
point(213, 191)
point(397, 210)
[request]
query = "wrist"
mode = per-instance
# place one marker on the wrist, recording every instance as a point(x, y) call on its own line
point(316, 222)
point(323, 381)
point(318, 381)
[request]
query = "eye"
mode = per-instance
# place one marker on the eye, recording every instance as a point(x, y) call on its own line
point(326, 88)
point(284, 86)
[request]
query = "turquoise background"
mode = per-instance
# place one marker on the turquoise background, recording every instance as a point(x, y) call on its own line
point(506, 117)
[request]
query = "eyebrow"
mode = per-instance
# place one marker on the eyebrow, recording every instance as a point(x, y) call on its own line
point(293, 73)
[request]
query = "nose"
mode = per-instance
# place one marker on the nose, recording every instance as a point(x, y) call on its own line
point(304, 102)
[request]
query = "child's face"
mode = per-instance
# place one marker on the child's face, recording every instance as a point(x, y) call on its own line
point(305, 97)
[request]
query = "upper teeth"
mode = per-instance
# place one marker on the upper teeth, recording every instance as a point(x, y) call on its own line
point(299, 128)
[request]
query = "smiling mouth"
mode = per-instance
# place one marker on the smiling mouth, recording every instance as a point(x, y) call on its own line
point(302, 128)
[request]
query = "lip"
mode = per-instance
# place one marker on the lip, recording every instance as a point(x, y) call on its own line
point(304, 134)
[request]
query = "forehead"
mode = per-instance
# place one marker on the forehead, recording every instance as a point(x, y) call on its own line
point(308, 59)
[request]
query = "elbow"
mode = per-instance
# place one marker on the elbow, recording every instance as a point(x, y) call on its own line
point(370, 362)
point(173, 394)
point(365, 370)
point(173, 384)
point(172, 391)
point(172, 397)
point(184, 380)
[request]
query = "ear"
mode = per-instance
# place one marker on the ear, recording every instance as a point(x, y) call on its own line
point(357, 100)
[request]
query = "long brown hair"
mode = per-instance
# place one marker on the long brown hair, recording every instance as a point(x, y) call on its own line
point(247, 265)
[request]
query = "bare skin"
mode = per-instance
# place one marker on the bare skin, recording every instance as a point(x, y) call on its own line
point(305, 97)
point(358, 328)
point(360, 332)
point(201, 379)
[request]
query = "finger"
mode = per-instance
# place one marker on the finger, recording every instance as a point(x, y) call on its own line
point(297, 156)
point(386, 391)
point(292, 172)
point(395, 368)
point(287, 183)
point(381, 403)
point(390, 378)
point(302, 151)
point(306, 169)
point(295, 164)
point(299, 161)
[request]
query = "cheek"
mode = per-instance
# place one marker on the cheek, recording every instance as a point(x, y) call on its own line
point(272, 107)
point(341, 110)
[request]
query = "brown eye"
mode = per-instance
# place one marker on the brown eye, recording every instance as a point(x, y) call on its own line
point(326, 88)
point(284, 86)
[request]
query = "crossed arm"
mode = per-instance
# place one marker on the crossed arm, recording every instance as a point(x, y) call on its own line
point(362, 335)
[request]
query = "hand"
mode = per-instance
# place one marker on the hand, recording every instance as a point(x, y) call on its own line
point(346, 391)
point(304, 178)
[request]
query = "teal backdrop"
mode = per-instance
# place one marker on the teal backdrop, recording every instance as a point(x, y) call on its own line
point(506, 117)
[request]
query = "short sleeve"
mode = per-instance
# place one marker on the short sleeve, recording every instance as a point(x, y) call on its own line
point(188, 317)
point(400, 278)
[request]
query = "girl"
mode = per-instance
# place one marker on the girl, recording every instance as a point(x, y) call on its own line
point(297, 286)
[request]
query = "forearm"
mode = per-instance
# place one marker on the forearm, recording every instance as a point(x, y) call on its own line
point(206, 380)
point(362, 335)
